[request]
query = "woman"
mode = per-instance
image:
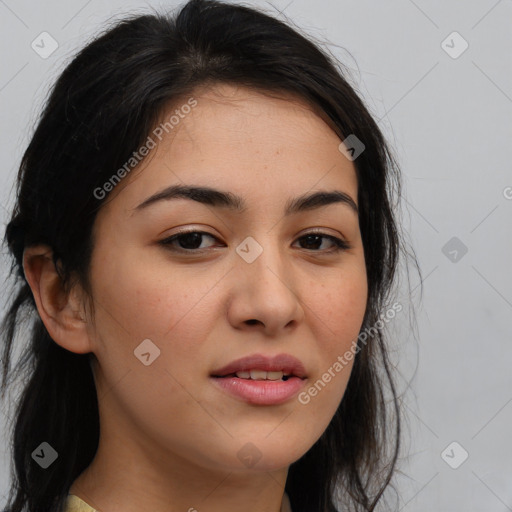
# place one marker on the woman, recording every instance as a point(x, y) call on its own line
point(205, 237)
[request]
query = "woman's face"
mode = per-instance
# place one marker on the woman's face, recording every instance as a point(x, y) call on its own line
point(170, 315)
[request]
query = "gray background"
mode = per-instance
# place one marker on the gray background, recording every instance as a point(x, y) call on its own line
point(450, 123)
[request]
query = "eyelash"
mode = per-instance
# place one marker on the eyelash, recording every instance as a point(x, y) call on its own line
point(339, 244)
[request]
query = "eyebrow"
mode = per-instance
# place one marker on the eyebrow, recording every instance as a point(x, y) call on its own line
point(224, 199)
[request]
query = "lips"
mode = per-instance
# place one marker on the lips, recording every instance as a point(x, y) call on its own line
point(254, 379)
point(285, 363)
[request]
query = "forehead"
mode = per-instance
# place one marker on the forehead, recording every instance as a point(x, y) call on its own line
point(239, 139)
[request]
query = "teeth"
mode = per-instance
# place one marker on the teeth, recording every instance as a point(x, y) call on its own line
point(259, 375)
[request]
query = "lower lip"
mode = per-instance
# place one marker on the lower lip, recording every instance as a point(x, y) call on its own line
point(261, 392)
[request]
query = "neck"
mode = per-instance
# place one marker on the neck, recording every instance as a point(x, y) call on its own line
point(160, 482)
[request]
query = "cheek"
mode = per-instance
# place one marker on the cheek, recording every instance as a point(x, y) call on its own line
point(138, 303)
point(139, 295)
point(175, 310)
point(339, 305)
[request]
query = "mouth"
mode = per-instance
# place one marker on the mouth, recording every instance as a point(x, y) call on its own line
point(261, 367)
point(258, 375)
point(261, 380)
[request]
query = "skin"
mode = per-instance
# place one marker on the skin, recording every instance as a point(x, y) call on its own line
point(169, 438)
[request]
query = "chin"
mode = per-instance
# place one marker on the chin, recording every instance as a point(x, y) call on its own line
point(266, 454)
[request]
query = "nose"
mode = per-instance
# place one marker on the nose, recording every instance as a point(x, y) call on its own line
point(265, 294)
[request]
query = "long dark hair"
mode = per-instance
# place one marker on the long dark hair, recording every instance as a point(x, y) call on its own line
point(101, 110)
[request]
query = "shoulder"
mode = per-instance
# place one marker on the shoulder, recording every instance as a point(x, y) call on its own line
point(75, 504)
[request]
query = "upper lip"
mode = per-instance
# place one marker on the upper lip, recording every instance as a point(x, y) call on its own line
point(286, 363)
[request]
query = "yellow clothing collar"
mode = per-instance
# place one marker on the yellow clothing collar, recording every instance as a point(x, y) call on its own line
point(75, 504)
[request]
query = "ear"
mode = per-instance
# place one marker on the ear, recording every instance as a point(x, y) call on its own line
point(63, 314)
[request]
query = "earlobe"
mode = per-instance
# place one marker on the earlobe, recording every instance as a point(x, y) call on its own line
point(61, 311)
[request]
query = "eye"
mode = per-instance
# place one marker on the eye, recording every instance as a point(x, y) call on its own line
point(314, 238)
point(190, 241)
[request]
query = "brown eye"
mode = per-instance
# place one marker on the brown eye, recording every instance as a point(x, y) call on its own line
point(188, 241)
point(314, 240)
